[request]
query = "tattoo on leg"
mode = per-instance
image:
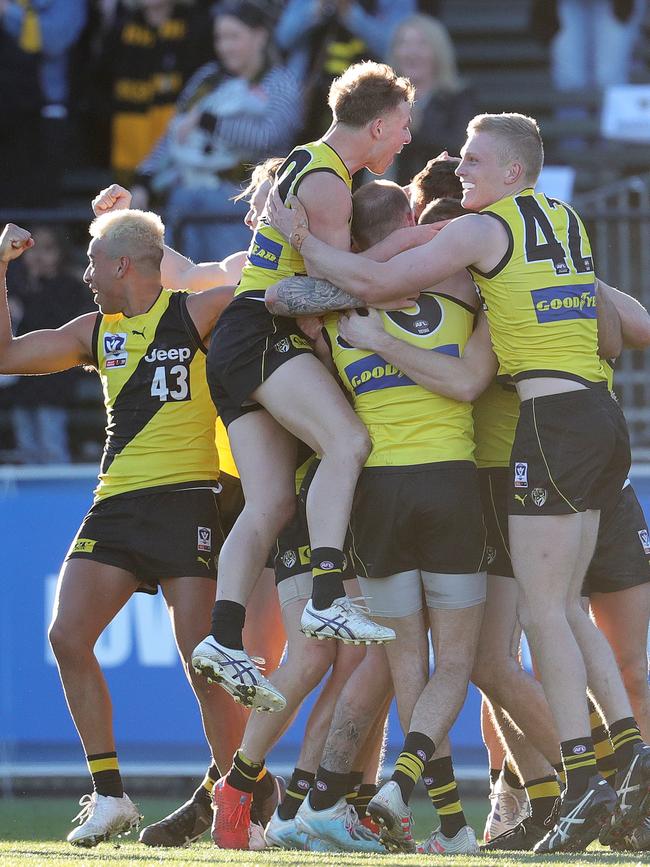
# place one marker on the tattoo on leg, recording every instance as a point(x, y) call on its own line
point(341, 747)
point(301, 294)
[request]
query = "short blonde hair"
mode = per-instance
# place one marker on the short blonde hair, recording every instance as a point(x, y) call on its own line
point(367, 90)
point(137, 234)
point(520, 138)
point(442, 50)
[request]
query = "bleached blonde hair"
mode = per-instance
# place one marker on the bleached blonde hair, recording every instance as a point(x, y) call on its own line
point(519, 137)
point(140, 235)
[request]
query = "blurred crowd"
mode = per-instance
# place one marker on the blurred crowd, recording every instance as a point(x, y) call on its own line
point(178, 98)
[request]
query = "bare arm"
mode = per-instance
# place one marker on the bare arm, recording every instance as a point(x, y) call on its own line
point(207, 306)
point(46, 351)
point(635, 319)
point(461, 378)
point(469, 240)
point(178, 272)
point(610, 333)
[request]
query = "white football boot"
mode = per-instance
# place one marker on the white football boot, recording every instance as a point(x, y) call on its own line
point(102, 817)
point(394, 817)
point(462, 843)
point(284, 834)
point(344, 620)
point(338, 826)
point(236, 672)
point(508, 808)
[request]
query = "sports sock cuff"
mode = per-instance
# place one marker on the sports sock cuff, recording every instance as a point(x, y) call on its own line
point(510, 776)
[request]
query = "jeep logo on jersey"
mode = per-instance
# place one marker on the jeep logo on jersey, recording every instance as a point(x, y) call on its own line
point(181, 354)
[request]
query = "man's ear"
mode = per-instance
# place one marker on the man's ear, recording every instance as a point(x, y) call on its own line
point(376, 127)
point(123, 266)
point(514, 173)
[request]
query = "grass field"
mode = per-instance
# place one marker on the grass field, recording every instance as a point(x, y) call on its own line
point(31, 832)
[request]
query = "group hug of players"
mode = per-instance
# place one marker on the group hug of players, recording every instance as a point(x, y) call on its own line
point(455, 457)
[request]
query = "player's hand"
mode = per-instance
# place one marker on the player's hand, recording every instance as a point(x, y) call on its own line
point(113, 198)
point(285, 218)
point(311, 326)
point(362, 330)
point(13, 242)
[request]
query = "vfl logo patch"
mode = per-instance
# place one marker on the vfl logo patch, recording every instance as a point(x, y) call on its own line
point(114, 351)
point(559, 303)
point(521, 474)
point(539, 496)
point(264, 252)
point(204, 539)
point(645, 541)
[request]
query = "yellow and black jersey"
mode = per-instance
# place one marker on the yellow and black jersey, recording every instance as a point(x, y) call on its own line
point(409, 425)
point(541, 299)
point(160, 430)
point(496, 413)
point(270, 257)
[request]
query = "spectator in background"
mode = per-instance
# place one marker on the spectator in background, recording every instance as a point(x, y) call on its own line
point(46, 296)
point(147, 56)
point(422, 50)
point(35, 38)
point(236, 110)
point(321, 38)
point(591, 40)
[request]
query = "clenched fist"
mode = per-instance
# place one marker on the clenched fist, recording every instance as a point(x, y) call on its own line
point(113, 198)
point(13, 242)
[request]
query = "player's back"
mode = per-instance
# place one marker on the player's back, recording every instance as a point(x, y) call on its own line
point(541, 299)
point(270, 257)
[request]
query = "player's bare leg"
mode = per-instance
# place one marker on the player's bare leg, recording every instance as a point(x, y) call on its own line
point(264, 632)
point(546, 554)
point(318, 414)
point(498, 672)
point(623, 618)
point(88, 596)
point(265, 454)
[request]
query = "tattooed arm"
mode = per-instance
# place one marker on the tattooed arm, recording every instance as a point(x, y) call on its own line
point(307, 296)
point(302, 295)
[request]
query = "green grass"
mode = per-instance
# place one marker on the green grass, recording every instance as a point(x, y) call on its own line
point(32, 832)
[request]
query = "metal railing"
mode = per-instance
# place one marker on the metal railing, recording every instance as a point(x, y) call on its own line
point(617, 218)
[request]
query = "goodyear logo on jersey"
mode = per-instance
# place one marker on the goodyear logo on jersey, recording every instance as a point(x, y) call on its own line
point(373, 372)
point(558, 303)
point(264, 252)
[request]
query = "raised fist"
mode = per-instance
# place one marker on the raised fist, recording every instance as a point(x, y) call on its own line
point(113, 198)
point(13, 242)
